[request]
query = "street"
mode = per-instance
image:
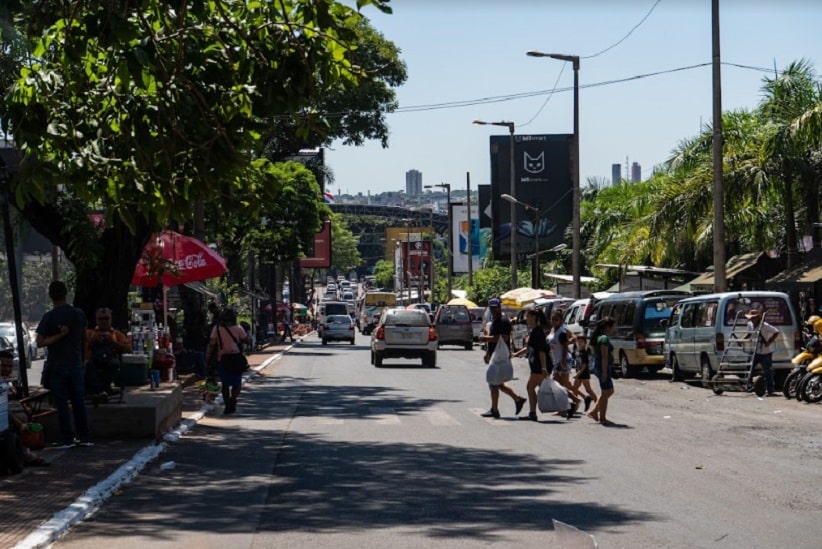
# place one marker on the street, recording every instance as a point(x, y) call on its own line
point(327, 451)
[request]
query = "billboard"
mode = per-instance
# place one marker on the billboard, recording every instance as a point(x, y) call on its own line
point(542, 175)
point(484, 196)
point(321, 257)
point(413, 264)
point(459, 237)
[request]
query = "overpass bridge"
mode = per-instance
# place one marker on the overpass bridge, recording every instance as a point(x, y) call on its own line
point(395, 215)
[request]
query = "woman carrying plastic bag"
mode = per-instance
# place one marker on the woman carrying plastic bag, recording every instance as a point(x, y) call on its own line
point(498, 358)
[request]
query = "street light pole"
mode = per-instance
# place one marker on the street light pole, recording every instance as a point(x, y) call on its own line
point(575, 257)
point(535, 277)
point(513, 191)
point(449, 236)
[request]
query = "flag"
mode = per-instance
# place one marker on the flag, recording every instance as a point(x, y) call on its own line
point(328, 198)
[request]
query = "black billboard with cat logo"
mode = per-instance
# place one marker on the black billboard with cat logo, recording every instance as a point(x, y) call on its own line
point(542, 174)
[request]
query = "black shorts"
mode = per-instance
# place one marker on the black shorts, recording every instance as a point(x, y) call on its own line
point(583, 373)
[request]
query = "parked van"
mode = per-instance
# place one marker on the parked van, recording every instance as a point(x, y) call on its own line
point(640, 319)
point(701, 326)
point(576, 316)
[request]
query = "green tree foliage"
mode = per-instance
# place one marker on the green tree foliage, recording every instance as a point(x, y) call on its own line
point(384, 274)
point(140, 111)
point(345, 256)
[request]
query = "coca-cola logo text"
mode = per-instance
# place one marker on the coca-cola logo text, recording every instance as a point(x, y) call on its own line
point(191, 261)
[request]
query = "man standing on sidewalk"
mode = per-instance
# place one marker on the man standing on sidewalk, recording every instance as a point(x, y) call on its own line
point(63, 331)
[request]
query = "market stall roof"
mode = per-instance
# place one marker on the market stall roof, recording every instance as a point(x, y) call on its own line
point(570, 278)
point(733, 267)
point(802, 277)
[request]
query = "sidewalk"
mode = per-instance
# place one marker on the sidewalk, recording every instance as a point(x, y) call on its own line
point(38, 494)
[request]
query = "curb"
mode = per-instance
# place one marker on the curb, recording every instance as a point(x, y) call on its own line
point(93, 498)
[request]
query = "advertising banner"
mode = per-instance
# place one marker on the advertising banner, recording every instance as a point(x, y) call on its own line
point(459, 237)
point(321, 258)
point(542, 177)
point(415, 264)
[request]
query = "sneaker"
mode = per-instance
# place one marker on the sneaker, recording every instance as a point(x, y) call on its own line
point(520, 403)
point(84, 443)
point(63, 445)
point(587, 403)
point(491, 413)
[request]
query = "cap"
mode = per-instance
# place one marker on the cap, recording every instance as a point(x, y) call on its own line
point(494, 302)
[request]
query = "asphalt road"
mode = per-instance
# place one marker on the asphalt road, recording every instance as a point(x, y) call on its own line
point(327, 451)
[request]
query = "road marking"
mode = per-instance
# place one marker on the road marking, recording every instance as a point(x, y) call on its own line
point(385, 416)
point(440, 417)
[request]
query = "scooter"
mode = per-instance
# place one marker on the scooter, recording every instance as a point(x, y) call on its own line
point(810, 386)
point(812, 349)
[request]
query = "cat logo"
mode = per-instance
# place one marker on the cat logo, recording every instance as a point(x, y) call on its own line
point(418, 245)
point(533, 164)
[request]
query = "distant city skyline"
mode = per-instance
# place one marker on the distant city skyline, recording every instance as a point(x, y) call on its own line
point(645, 79)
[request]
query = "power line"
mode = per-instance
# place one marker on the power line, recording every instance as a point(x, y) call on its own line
point(551, 94)
point(621, 40)
point(536, 93)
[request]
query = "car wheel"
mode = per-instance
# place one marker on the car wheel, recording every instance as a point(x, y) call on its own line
point(707, 373)
point(676, 374)
point(378, 359)
point(372, 356)
point(325, 341)
point(352, 341)
point(469, 346)
point(624, 368)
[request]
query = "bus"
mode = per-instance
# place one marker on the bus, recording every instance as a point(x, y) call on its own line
point(371, 306)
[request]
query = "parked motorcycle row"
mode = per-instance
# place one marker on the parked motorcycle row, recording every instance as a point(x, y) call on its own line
point(804, 382)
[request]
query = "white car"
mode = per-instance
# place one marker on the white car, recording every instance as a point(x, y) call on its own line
point(404, 333)
point(7, 330)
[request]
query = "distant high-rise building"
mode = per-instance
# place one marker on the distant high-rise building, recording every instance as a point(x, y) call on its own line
point(413, 183)
point(636, 172)
point(616, 173)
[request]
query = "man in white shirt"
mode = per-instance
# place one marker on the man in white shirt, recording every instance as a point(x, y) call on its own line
point(763, 354)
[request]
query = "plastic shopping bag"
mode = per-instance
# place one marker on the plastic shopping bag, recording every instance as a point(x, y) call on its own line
point(500, 368)
point(551, 397)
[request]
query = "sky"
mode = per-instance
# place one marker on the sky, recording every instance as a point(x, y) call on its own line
point(465, 50)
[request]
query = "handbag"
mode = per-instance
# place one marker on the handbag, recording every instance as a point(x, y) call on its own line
point(551, 397)
point(234, 363)
point(500, 368)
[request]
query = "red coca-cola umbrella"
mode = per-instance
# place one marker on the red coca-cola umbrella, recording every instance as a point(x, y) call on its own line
point(171, 258)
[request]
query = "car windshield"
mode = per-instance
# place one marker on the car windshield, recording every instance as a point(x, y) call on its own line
point(407, 318)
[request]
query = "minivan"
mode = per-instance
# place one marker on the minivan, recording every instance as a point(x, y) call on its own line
point(640, 319)
point(700, 327)
point(576, 316)
point(453, 326)
point(328, 308)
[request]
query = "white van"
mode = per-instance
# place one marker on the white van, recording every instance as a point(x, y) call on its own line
point(700, 326)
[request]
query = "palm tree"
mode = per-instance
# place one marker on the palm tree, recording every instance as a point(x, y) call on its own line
point(791, 108)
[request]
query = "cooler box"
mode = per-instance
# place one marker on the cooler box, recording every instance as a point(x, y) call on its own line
point(134, 370)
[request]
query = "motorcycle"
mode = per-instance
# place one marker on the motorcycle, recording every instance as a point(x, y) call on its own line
point(812, 349)
point(810, 386)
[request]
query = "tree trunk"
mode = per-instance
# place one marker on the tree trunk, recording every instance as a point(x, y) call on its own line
point(790, 219)
point(107, 285)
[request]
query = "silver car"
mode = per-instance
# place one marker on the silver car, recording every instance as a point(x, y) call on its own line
point(338, 328)
point(404, 333)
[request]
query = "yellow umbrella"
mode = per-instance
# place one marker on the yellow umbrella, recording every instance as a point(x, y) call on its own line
point(520, 297)
point(462, 301)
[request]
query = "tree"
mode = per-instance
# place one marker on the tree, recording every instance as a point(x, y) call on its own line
point(344, 256)
point(142, 110)
point(384, 274)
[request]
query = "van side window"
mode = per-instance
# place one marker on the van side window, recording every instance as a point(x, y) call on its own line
point(688, 315)
point(706, 314)
point(628, 314)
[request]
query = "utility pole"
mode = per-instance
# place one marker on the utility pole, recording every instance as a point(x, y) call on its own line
point(470, 231)
point(720, 282)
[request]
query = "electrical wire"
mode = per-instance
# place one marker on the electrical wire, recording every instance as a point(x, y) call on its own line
point(550, 95)
point(536, 93)
point(621, 40)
